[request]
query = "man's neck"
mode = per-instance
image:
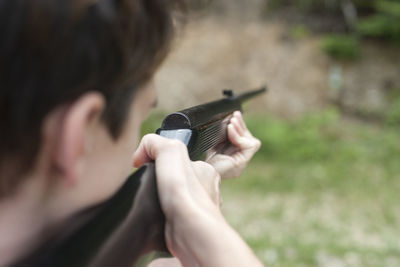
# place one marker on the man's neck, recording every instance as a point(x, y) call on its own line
point(21, 225)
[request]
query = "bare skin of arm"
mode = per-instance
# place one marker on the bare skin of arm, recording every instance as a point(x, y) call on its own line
point(197, 234)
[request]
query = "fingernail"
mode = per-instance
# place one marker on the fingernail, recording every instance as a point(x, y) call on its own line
point(135, 164)
point(135, 160)
point(231, 127)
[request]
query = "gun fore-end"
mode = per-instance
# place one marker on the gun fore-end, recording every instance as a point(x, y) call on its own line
point(198, 139)
point(203, 127)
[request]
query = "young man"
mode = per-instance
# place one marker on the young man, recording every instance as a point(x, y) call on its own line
point(75, 86)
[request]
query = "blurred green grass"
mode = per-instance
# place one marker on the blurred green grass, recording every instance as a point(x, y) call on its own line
point(322, 191)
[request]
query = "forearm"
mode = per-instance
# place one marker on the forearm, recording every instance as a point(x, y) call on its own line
point(210, 241)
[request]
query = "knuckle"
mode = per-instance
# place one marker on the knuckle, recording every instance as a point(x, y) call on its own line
point(150, 136)
point(206, 168)
point(258, 143)
point(149, 139)
point(170, 143)
point(157, 143)
point(214, 172)
point(146, 138)
point(218, 178)
point(197, 163)
point(177, 144)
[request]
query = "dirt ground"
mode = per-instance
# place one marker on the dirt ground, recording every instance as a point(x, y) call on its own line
point(214, 54)
point(241, 51)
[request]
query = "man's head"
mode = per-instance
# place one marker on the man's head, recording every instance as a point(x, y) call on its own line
point(74, 88)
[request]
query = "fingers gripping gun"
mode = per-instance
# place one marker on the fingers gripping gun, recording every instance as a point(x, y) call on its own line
point(131, 223)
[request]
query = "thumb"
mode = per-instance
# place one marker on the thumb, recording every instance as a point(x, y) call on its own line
point(152, 145)
point(146, 152)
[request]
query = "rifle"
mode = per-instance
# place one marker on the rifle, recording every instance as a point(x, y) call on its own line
point(131, 223)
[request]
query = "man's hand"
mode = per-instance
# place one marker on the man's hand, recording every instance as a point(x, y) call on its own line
point(183, 198)
point(196, 231)
point(178, 176)
point(231, 159)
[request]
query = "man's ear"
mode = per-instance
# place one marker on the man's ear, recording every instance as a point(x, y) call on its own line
point(75, 125)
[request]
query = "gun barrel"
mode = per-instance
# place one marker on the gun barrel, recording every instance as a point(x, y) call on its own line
point(247, 95)
point(203, 114)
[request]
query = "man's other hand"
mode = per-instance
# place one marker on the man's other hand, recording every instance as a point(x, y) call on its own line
point(230, 159)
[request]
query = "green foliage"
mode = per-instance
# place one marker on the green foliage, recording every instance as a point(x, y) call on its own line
point(393, 113)
point(380, 26)
point(341, 46)
point(299, 32)
point(391, 8)
point(301, 140)
point(318, 189)
point(379, 19)
point(308, 5)
point(152, 123)
point(384, 24)
point(321, 137)
point(304, 5)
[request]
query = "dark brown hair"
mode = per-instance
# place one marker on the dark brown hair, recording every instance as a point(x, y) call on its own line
point(53, 51)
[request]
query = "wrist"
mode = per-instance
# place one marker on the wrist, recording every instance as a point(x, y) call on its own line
point(205, 239)
point(190, 228)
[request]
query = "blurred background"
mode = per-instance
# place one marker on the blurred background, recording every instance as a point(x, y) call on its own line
point(324, 188)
